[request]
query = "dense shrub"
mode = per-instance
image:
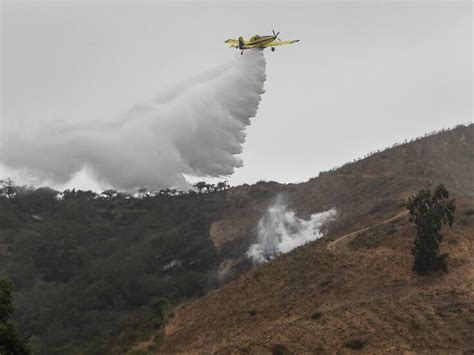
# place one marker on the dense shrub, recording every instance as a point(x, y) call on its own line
point(316, 315)
point(279, 349)
point(468, 211)
point(325, 283)
point(355, 344)
point(429, 210)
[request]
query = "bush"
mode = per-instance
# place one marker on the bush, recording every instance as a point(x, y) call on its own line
point(325, 283)
point(252, 312)
point(468, 211)
point(355, 344)
point(316, 315)
point(157, 322)
point(279, 349)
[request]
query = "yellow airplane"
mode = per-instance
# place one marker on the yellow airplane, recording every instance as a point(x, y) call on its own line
point(258, 42)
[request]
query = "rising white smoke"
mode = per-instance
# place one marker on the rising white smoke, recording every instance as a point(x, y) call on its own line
point(196, 128)
point(280, 231)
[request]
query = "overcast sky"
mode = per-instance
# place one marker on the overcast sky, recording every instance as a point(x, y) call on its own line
point(365, 74)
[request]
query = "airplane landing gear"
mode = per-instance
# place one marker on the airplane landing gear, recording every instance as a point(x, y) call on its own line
point(273, 49)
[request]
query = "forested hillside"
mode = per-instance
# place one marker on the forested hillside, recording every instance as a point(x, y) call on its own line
point(88, 268)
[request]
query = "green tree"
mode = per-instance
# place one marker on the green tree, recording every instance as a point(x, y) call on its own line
point(429, 210)
point(10, 341)
point(110, 194)
point(7, 188)
point(200, 186)
point(222, 185)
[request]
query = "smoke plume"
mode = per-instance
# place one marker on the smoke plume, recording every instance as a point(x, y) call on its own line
point(196, 128)
point(280, 231)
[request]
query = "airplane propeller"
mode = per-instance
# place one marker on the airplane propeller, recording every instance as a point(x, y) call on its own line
point(276, 35)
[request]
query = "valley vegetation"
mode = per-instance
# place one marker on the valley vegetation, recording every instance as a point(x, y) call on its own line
point(94, 271)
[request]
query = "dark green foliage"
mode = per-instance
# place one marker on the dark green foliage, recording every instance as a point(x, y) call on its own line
point(6, 300)
point(102, 271)
point(468, 211)
point(316, 315)
point(57, 259)
point(8, 218)
point(325, 283)
point(429, 210)
point(279, 349)
point(10, 341)
point(355, 344)
point(252, 312)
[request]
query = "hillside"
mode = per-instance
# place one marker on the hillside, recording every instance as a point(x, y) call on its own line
point(360, 288)
point(93, 267)
point(356, 283)
point(363, 192)
point(106, 272)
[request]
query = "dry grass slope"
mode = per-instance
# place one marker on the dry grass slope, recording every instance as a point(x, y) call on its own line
point(353, 290)
point(364, 289)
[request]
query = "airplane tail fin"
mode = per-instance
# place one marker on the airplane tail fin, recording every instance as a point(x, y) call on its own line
point(241, 42)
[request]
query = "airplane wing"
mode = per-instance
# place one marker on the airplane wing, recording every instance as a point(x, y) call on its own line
point(279, 43)
point(233, 43)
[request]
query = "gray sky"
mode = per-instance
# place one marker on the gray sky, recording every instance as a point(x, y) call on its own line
point(365, 74)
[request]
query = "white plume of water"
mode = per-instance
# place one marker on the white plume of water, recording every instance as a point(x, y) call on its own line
point(196, 128)
point(280, 231)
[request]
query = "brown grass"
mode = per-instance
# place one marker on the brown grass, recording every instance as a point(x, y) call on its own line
point(358, 277)
point(373, 296)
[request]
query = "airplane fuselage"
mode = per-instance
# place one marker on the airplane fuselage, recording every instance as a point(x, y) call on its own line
point(258, 42)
